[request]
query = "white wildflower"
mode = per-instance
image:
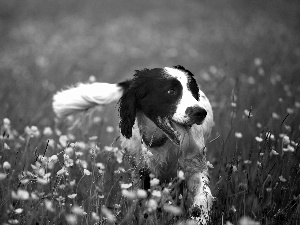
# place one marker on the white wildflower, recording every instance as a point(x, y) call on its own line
point(53, 158)
point(251, 80)
point(83, 164)
point(100, 166)
point(13, 221)
point(71, 219)
point(62, 171)
point(22, 194)
point(152, 205)
point(18, 211)
point(285, 139)
point(261, 71)
point(247, 161)
point(233, 209)
point(289, 148)
point(180, 175)
point(72, 196)
point(268, 189)
point(109, 148)
point(34, 196)
point(6, 146)
point(282, 179)
point(273, 152)
point(234, 168)
point(63, 140)
point(213, 69)
point(126, 186)
point(2, 176)
point(93, 138)
point(69, 151)
point(257, 61)
point(288, 128)
point(290, 110)
point(42, 181)
point(97, 119)
point(172, 209)
point(108, 214)
point(238, 135)
point(258, 139)
point(141, 193)
point(95, 216)
point(247, 221)
point(154, 182)
point(49, 205)
point(67, 161)
point(129, 194)
point(86, 172)
point(119, 156)
point(71, 137)
point(270, 136)
point(6, 165)
point(51, 143)
point(156, 193)
point(41, 171)
point(6, 123)
point(81, 145)
point(35, 131)
point(275, 115)
point(77, 210)
point(47, 131)
point(248, 113)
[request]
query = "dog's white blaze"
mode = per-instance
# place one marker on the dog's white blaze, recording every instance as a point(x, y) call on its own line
point(187, 99)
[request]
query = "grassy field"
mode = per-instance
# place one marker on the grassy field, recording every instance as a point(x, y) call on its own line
point(246, 57)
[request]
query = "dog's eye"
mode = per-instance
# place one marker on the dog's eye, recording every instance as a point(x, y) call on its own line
point(171, 92)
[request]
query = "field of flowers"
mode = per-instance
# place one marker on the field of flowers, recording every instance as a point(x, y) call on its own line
point(246, 58)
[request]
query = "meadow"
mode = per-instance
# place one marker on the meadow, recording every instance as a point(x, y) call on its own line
point(245, 57)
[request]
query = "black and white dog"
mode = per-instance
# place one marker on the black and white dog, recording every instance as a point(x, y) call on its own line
point(162, 111)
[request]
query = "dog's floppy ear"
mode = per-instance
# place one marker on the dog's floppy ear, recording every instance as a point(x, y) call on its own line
point(127, 112)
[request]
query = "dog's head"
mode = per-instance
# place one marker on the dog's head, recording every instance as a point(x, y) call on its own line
point(169, 96)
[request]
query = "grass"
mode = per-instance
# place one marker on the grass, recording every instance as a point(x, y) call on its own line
point(245, 56)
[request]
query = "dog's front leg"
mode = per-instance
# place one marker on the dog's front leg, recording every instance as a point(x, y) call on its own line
point(201, 197)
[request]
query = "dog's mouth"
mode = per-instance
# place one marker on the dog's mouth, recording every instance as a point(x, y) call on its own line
point(172, 129)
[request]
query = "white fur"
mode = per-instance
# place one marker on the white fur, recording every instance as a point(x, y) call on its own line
point(85, 96)
point(187, 99)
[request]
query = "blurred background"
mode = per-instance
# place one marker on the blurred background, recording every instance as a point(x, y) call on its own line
point(46, 45)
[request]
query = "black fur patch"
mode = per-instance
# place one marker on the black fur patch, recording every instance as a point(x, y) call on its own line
point(125, 84)
point(151, 91)
point(192, 84)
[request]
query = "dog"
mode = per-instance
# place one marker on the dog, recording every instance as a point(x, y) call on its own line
point(162, 111)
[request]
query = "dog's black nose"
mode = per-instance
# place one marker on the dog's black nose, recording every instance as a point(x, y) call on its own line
point(196, 114)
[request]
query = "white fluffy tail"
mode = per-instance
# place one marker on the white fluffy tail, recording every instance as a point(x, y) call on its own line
point(85, 96)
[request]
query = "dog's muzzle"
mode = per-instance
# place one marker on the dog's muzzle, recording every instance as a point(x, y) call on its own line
point(196, 115)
